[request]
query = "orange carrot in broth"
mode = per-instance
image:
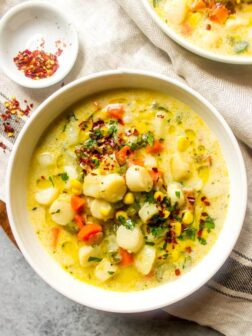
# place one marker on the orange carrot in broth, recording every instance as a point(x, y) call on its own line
point(122, 155)
point(126, 257)
point(156, 148)
point(79, 221)
point(55, 236)
point(87, 230)
point(219, 13)
point(77, 203)
point(115, 111)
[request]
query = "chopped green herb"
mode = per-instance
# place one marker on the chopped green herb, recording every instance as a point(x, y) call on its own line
point(179, 119)
point(73, 116)
point(112, 127)
point(149, 197)
point(111, 273)
point(177, 193)
point(94, 259)
point(90, 143)
point(64, 127)
point(189, 233)
point(165, 245)
point(202, 241)
point(165, 256)
point(240, 47)
point(149, 243)
point(64, 176)
point(157, 231)
point(96, 162)
point(71, 227)
point(51, 180)
point(209, 223)
point(149, 138)
point(157, 106)
point(128, 223)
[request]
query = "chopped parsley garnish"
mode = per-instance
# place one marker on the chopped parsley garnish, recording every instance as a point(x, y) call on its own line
point(155, 105)
point(157, 231)
point(51, 180)
point(64, 177)
point(202, 241)
point(112, 127)
point(240, 47)
point(149, 197)
point(96, 162)
point(209, 223)
point(189, 233)
point(177, 193)
point(96, 259)
point(149, 243)
point(111, 273)
point(90, 143)
point(128, 223)
point(142, 141)
point(71, 227)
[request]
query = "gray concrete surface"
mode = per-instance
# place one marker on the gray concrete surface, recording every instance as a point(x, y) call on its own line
point(29, 307)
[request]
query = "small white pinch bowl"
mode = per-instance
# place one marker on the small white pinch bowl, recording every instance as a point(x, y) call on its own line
point(30, 25)
point(48, 268)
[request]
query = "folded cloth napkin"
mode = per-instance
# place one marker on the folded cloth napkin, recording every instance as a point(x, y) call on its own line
point(110, 39)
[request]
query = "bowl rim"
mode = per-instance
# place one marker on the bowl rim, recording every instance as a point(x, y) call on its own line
point(39, 84)
point(183, 42)
point(161, 302)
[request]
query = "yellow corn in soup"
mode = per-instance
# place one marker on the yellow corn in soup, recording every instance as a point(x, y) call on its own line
point(128, 189)
point(222, 27)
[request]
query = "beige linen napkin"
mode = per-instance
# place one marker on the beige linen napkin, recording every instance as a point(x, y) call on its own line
point(109, 39)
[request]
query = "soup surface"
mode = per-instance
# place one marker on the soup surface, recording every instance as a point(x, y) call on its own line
point(223, 27)
point(128, 189)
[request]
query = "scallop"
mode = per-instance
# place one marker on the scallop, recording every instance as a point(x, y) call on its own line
point(138, 179)
point(147, 211)
point(113, 187)
point(61, 211)
point(92, 186)
point(176, 11)
point(175, 194)
point(105, 270)
point(46, 159)
point(145, 259)
point(180, 168)
point(131, 240)
point(84, 253)
point(46, 196)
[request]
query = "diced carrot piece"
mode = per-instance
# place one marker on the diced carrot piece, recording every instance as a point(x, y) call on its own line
point(156, 174)
point(197, 5)
point(55, 236)
point(87, 230)
point(126, 257)
point(219, 14)
point(77, 203)
point(79, 220)
point(115, 111)
point(94, 238)
point(122, 155)
point(133, 160)
point(156, 148)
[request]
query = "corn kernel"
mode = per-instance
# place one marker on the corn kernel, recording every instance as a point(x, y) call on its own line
point(121, 214)
point(129, 198)
point(194, 19)
point(182, 143)
point(166, 214)
point(187, 217)
point(105, 211)
point(204, 234)
point(159, 196)
point(174, 254)
point(177, 227)
point(76, 187)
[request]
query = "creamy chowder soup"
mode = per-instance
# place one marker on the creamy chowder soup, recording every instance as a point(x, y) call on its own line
point(129, 189)
point(223, 27)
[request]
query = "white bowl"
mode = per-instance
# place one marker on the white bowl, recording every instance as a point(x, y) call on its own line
point(190, 46)
point(25, 26)
point(48, 268)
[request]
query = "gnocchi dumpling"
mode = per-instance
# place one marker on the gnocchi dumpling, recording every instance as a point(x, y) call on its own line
point(145, 259)
point(138, 179)
point(175, 194)
point(46, 196)
point(61, 211)
point(131, 240)
point(105, 270)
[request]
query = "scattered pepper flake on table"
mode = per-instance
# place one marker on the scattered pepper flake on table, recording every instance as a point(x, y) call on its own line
point(36, 64)
point(3, 147)
point(12, 113)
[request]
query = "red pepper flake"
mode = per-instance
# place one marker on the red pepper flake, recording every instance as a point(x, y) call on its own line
point(188, 249)
point(3, 146)
point(12, 112)
point(36, 64)
point(177, 272)
point(205, 201)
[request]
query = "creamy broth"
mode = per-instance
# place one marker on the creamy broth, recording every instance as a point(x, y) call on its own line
point(128, 189)
point(223, 27)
